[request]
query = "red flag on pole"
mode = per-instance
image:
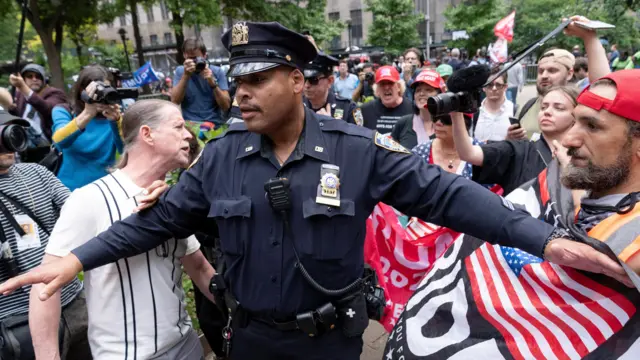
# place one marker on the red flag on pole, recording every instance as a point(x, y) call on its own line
point(504, 27)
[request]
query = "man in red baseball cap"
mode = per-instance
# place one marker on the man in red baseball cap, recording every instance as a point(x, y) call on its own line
point(604, 146)
point(389, 105)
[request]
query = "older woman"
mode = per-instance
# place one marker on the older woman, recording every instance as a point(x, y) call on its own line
point(418, 128)
point(88, 137)
point(511, 163)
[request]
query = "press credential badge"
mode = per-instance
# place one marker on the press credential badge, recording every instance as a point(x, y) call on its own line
point(31, 238)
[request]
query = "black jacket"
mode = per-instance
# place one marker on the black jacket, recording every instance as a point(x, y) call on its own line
point(403, 132)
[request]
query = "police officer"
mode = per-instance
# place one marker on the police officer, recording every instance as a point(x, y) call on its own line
point(318, 94)
point(290, 192)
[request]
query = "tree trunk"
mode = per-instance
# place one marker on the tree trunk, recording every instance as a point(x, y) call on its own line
point(54, 60)
point(177, 25)
point(133, 6)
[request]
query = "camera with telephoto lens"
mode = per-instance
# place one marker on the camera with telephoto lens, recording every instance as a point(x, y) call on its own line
point(463, 101)
point(13, 138)
point(201, 63)
point(369, 77)
point(108, 95)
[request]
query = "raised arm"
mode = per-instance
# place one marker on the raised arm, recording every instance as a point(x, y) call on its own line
point(595, 52)
point(464, 146)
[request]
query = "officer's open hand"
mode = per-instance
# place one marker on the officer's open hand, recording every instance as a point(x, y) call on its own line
point(54, 275)
point(150, 195)
point(583, 257)
point(325, 111)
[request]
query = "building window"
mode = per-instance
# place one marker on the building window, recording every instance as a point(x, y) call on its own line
point(149, 12)
point(335, 42)
point(154, 39)
point(164, 10)
point(123, 21)
point(356, 27)
point(168, 38)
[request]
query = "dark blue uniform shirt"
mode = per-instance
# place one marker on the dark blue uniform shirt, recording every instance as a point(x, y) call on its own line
point(226, 185)
point(341, 108)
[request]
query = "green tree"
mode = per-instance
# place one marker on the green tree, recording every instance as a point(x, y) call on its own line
point(9, 30)
point(191, 13)
point(297, 15)
point(394, 25)
point(49, 19)
point(477, 18)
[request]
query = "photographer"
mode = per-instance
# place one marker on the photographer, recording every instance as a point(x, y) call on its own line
point(199, 88)
point(364, 91)
point(30, 201)
point(34, 102)
point(88, 137)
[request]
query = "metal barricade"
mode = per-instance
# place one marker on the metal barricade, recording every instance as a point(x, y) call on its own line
point(531, 73)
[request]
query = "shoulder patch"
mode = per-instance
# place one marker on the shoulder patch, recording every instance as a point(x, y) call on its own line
point(386, 142)
point(357, 116)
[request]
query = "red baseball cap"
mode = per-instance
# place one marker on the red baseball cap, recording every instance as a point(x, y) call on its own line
point(431, 78)
point(387, 73)
point(625, 103)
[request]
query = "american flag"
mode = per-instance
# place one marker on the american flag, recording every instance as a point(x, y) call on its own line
point(542, 310)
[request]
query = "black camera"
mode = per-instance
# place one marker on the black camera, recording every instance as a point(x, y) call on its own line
point(369, 77)
point(108, 95)
point(463, 101)
point(201, 63)
point(13, 138)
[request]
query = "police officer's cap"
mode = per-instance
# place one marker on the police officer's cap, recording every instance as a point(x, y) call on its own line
point(259, 46)
point(322, 65)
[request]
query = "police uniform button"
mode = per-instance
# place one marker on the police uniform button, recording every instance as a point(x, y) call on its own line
point(273, 279)
point(226, 211)
point(321, 124)
point(275, 243)
point(329, 209)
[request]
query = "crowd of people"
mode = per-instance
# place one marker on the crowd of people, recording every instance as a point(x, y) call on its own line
point(268, 220)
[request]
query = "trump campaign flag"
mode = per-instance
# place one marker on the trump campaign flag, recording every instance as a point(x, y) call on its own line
point(141, 77)
point(401, 256)
point(483, 301)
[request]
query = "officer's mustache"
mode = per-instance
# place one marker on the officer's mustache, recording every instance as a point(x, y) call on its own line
point(249, 107)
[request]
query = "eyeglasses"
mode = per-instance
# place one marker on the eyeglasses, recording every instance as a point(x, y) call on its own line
point(314, 80)
point(495, 85)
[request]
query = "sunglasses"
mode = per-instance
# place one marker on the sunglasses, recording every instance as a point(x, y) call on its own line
point(314, 80)
point(444, 119)
point(495, 85)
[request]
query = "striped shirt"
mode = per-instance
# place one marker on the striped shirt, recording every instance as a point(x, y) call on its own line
point(39, 191)
point(136, 305)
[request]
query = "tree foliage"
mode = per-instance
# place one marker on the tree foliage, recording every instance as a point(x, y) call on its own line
point(477, 18)
point(298, 15)
point(394, 25)
point(536, 18)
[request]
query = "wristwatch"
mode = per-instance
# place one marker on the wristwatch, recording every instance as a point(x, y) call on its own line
point(556, 234)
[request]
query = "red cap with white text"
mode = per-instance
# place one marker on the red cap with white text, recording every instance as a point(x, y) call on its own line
point(387, 73)
point(431, 78)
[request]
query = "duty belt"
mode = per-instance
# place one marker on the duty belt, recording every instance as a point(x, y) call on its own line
point(312, 323)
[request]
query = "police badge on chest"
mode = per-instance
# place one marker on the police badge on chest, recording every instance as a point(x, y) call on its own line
point(329, 187)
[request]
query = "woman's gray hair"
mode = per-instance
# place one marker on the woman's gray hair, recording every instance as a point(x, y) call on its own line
point(144, 112)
